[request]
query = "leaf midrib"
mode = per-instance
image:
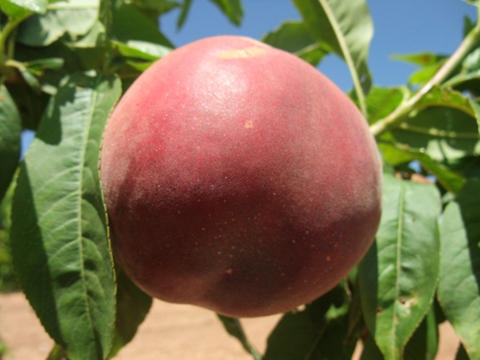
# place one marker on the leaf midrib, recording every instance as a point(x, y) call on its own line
point(93, 98)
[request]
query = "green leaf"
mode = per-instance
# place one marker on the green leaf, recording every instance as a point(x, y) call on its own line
point(10, 130)
point(321, 331)
point(461, 353)
point(421, 59)
point(446, 97)
point(133, 306)
point(232, 8)
point(131, 24)
point(345, 28)
point(59, 235)
point(399, 274)
point(444, 133)
point(29, 78)
point(295, 337)
point(294, 37)
point(17, 8)
point(72, 17)
point(469, 72)
point(370, 350)
point(423, 345)
point(422, 76)
point(395, 154)
point(158, 6)
point(382, 101)
point(429, 63)
point(186, 5)
point(459, 286)
point(234, 328)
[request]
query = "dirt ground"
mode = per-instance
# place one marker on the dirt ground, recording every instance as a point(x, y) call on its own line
point(170, 332)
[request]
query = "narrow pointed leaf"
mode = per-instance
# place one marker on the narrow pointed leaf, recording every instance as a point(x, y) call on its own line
point(423, 345)
point(132, 308)
point(346, 28)
point(398, 276)
point(59, 236)
point(232, 9)
point(459, 286)
point(185, 9)
point(10, 129)
point(235, 329)
point(321, 331)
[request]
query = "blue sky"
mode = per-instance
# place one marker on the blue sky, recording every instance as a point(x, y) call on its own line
point(401, 27)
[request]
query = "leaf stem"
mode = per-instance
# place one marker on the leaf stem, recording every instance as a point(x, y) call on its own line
point(6, 31)
point(472, 39)
point(347, 56)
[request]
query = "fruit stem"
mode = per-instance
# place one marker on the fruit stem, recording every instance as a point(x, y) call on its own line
point(468, 43)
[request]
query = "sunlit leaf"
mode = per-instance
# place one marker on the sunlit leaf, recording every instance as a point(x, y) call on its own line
point(382, 101)
point(72, 17)
point(444, 133)
point(398, 276)
point(18, 8)
point(59, 235)
point(345, 28)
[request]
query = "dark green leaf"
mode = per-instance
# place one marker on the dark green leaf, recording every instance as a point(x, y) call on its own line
point(158, 6)
point(131, 24)
point(72, 17)
point(10, 129)
point(345, 28)
point(294, 37)
point(370, 350)
point(395, 154)
point(29, 78)
point(59, 235)
point(424, 343)
point(234, 328)
point(398, 276)
point(461, 353)
point(294, 337)
point(321, 331)
point(132, 308)
point(468, 25)
point(232, 8)
point(459, 286)
point(186, 5)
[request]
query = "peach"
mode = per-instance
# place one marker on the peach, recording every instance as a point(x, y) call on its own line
point(238, 178)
